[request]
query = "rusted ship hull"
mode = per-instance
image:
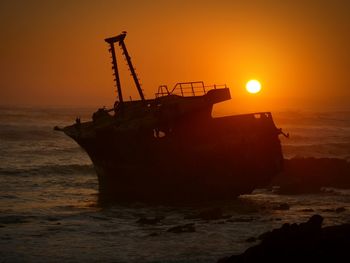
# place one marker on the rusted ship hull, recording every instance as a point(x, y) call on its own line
point(200, 160)
point(170, 147)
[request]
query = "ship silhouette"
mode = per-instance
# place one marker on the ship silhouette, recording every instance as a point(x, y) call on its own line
point(171, 148)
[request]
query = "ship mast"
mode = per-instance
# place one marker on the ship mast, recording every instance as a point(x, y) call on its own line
point(111, 42)
point(120, 40)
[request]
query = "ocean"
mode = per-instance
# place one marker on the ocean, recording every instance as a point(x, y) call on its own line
point(49, 208)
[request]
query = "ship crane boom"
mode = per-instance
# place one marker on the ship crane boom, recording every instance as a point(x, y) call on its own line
point(120, 40)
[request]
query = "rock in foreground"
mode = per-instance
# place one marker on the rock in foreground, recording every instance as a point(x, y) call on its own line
point(305, 242)
point(309, 175)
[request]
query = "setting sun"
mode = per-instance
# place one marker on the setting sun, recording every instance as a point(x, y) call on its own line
point(253, 86)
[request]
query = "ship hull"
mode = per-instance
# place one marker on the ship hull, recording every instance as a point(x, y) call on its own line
point(217, 159)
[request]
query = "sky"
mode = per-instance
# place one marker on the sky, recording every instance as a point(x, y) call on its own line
point(53, 54)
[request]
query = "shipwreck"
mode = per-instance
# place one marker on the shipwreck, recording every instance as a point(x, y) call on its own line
point(171, 148)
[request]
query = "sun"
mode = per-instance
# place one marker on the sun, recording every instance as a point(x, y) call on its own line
point(253, 86)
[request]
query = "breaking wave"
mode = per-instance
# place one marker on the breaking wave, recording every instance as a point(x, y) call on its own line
point(322, 150)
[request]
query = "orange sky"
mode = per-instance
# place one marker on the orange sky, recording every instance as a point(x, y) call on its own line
point(53, 53)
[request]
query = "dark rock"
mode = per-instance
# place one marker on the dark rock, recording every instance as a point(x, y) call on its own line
point(314, 221)
point(305, 242)
point(311, 175)
point(149, 221)
point(188, 228)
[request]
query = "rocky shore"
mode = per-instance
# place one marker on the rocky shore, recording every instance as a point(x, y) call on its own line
point(305, 242)
point(309, 175)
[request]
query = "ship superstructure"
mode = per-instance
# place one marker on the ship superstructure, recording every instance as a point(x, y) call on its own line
point(171, 148)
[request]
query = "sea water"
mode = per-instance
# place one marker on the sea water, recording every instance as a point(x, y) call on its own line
point(49, 209)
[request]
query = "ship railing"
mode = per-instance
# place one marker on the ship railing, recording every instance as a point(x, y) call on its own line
point(187, 89)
